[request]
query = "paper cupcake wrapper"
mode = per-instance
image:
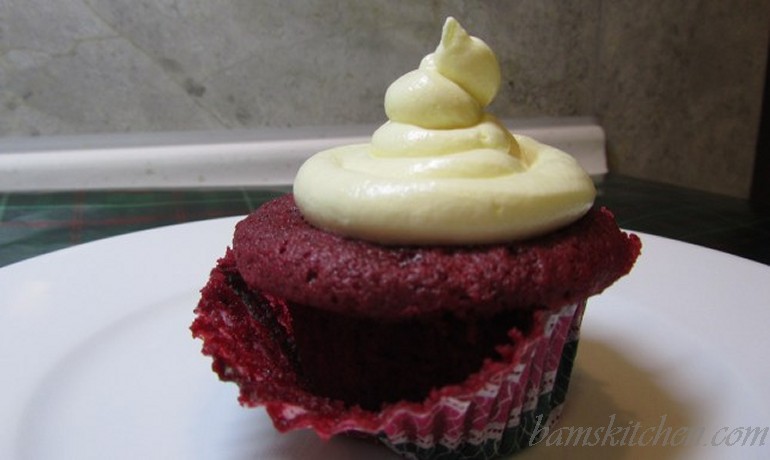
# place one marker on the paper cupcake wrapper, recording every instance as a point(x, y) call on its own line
point(501, 417)
point(492, 413)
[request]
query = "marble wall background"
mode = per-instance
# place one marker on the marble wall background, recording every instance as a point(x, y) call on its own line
point(677, 84)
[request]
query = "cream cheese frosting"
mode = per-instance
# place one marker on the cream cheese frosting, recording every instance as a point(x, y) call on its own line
point(442, 170)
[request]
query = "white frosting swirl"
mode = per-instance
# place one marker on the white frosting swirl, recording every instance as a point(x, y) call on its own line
point(442, 170)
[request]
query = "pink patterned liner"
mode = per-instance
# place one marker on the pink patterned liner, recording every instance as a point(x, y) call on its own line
point(474, 412)
point(494, 407)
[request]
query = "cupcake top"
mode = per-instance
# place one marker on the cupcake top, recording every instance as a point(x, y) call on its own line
point(278, 252)
point(441, 170)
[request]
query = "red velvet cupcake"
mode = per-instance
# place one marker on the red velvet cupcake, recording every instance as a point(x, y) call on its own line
point(440, 320)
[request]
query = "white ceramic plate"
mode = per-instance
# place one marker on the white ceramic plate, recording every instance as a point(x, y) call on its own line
point(98, 362)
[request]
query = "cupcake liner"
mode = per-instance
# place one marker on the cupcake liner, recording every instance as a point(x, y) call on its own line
point(493, 412)
point(500, 416)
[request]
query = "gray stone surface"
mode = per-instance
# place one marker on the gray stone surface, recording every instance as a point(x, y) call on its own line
point(677, 85)
point(680, 88)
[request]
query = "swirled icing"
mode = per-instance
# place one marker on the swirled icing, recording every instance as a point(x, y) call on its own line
point(442, 170)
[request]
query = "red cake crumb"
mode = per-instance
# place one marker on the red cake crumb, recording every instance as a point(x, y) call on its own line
point(278, 252)
point(247, 349)
point(363, 324)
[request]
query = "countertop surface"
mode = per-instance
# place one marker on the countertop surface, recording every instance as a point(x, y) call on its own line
point(33, 224)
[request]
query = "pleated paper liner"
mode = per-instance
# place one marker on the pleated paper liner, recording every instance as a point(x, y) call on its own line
point(493, 412)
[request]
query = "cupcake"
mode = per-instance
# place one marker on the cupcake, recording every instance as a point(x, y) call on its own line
point(424, 290)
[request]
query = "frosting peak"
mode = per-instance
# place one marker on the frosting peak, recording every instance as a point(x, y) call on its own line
point(439, 107)
point(442, 170)
point(466, 60)
point(452, 85)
